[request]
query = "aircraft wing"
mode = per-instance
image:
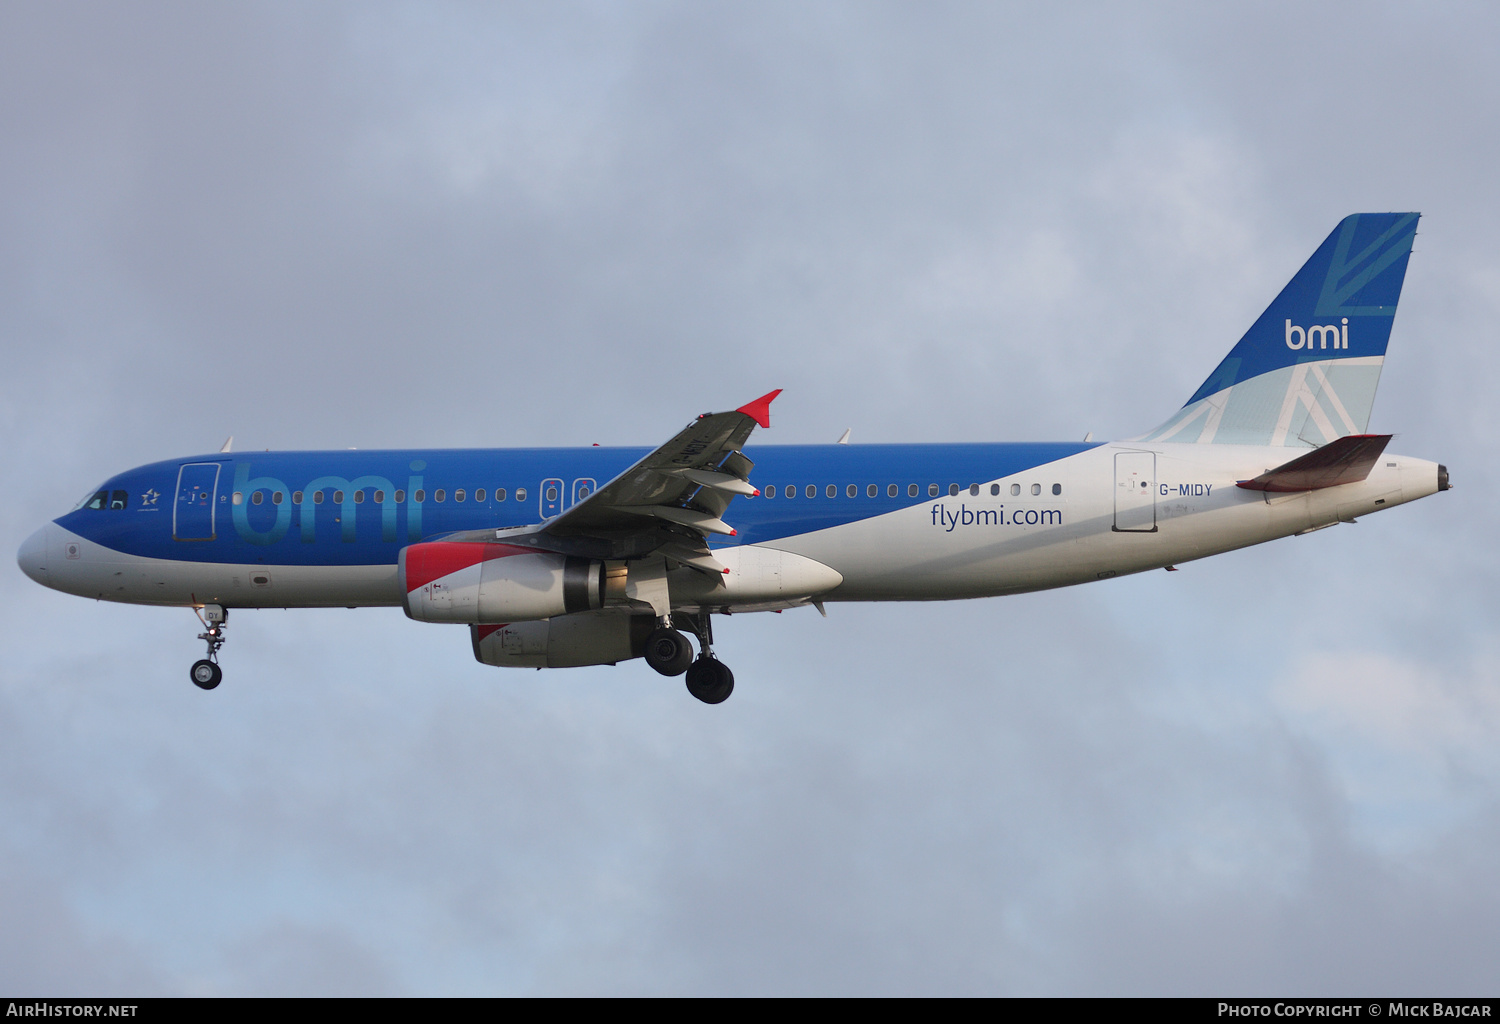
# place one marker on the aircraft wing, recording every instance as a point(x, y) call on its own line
point(1347, 460)
point(670, 501)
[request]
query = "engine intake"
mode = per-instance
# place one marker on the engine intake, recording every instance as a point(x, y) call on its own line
point(461, 581)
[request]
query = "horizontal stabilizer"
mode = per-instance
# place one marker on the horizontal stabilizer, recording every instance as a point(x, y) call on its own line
point(1345, 461)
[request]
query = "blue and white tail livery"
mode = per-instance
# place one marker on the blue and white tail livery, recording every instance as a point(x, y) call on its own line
point(1305, 373)
point(560, 557)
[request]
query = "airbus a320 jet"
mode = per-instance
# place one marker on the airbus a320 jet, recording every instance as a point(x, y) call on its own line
point(559, 557)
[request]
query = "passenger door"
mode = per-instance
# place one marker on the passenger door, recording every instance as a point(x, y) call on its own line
point(193, 510)
point(1135, 492)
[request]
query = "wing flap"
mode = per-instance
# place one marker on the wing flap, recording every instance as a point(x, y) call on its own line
point(689, 517)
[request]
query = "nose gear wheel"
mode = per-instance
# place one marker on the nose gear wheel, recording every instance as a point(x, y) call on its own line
point(206, 673)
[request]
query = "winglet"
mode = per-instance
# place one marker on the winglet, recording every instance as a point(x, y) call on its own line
point(760, 409)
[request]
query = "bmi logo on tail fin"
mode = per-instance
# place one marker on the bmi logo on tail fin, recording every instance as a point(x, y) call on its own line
point(1305, 373)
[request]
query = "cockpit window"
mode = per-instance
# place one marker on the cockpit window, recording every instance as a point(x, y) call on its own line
point(118, 499)
point(99, 500)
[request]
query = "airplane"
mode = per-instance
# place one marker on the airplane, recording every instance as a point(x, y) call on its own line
point(562, 557)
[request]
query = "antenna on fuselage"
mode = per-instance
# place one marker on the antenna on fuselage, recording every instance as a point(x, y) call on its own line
point(228, 444)
point(845, 438)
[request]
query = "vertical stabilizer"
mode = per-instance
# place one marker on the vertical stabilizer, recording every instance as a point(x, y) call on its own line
point(1306, 371)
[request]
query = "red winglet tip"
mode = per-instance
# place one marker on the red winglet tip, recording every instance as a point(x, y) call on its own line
point(755, 493)
point(734, 533)
point(726, 572)
point(760, 409)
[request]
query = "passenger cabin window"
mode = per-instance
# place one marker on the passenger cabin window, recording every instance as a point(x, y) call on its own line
point(932, 490)
point(380, 497)
point(479, 494)
point(852, 490)
point(1036, 488)
point(892, 491)
point(458, 495)
point(499, 493)
point(359, 496)
point(277, 497)
point(317, 498)
point(952, 489)
point(552, 494)
point(973, 490)
point(296, 497)
point(770, 491)
point(832, 490)
point(419, 495)
point(400, 497)
point(1015, 489)
point(239, 497)
point(994, 489)
point(911, 490)
point(118, 499)
point(520, 494)
point(1057, 488)
point(338, 497)
point(256, 497)
point(438, 495)
point(811, 491)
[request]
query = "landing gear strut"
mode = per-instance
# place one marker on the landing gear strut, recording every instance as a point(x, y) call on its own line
point(205, 672)
point(709, 679)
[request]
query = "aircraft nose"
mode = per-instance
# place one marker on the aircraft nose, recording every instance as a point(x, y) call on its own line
point(32, 558)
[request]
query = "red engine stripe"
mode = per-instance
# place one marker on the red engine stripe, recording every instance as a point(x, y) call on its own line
point(439, 558)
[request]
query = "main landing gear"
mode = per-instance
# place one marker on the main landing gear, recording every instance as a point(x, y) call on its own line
point(708, 679)
point(205, 672)
point(669, 652)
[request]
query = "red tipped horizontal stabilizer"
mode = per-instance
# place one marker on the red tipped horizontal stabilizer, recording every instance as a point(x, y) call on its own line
point(760, 409)
point(1345, 461)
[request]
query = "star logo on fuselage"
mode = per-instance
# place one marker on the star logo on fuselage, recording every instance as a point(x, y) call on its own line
point(149, 498)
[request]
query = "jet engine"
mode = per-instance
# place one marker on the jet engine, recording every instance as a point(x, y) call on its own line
point(461, 581)
point(565, 641)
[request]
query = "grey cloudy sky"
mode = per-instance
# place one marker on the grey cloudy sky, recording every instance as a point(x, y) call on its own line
point(471, 225)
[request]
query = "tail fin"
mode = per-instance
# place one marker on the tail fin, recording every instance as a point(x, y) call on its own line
point(1306, 372)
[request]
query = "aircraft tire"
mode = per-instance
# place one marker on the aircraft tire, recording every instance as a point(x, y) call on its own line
point(710, 680)
point(669, 652)
point(205, 674)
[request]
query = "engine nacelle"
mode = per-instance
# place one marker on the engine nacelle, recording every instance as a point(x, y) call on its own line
point(565, 641)
point(460, 581)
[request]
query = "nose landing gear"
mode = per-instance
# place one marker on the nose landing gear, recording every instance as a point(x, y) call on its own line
point(205, 672)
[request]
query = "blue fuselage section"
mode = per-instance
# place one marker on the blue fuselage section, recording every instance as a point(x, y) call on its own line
point(350, 508)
